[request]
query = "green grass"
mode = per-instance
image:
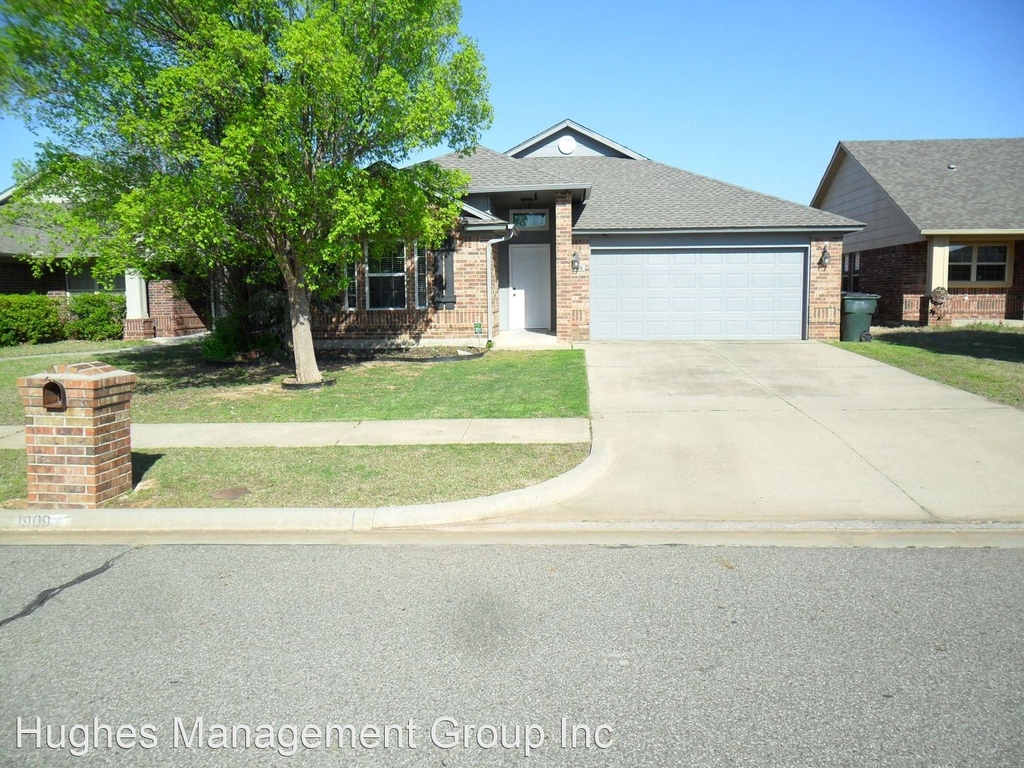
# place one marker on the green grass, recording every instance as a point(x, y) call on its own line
point(177, 385)
point(987, 360)
point(323, 477)
point(66, 348)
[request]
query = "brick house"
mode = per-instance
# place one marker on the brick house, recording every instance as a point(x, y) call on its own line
point(573, 234)
point(942, 216)
point(155, 308)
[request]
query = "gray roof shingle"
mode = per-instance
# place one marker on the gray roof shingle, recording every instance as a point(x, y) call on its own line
point(492, 170)
point(643, 194)
point(638, 194)
point(986, 191)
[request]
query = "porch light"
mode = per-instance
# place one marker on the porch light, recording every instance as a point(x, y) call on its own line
point(826, 257)
point(575, 262)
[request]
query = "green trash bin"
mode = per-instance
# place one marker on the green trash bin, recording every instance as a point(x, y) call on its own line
point(855, 320)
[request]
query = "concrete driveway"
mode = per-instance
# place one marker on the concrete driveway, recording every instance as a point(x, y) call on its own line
point(789, 432)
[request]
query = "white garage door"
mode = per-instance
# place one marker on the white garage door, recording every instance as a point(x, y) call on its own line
point(697, 295)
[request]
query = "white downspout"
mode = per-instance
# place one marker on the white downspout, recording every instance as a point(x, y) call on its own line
point(490, 279)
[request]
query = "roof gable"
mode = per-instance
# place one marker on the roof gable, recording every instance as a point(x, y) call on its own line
point(570, 139)
point(944, 185)
point(623, 191)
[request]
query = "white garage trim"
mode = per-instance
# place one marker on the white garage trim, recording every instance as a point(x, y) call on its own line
point(699, 292)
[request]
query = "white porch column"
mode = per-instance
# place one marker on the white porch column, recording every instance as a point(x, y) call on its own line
point(137, 324)
point(135, 296)
point(938, 262)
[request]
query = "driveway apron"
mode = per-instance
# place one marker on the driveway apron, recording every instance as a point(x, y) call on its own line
point(789, 431)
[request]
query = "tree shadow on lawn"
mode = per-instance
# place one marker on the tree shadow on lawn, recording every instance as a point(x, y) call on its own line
point(183, 366)
point(1007, 346)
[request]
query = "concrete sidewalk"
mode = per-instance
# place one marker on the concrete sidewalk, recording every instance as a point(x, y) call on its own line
point(340, 433)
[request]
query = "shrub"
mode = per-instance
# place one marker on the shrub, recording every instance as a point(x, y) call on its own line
point(29, 319)
point(96, 316)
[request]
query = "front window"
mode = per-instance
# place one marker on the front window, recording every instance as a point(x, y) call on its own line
point(978, 263)
point(421, 279)
point(385, 280)
point(530, 219)
point(84, 282)
point(350, 288)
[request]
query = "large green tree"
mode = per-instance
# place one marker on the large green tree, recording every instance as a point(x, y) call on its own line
point(202, 133)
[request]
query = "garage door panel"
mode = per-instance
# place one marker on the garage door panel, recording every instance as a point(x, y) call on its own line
point(712, 280)
point(658, 281)
point(737, 282)
point(697, 295)
point(684, 281)
point(629, 281)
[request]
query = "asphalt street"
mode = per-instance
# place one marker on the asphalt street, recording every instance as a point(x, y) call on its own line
point(648, 656)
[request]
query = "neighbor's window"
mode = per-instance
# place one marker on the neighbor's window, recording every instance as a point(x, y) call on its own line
point(530, 219)
point(978, 263)
point(385, 280)
point(84, 282)
point(421, 279)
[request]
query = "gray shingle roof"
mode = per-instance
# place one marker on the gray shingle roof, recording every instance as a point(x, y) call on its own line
point(643, 194)
point(492, 170)
point(986, 191)
point(637, 194)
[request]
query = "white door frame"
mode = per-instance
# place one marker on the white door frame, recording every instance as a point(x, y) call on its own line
point(525, 309)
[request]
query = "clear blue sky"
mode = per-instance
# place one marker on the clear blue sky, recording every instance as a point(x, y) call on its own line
point(753, 93)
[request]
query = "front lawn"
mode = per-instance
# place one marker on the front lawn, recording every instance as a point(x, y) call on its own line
point(987, 360)
point(66, 348)
point(177, 385)
point(374, 476)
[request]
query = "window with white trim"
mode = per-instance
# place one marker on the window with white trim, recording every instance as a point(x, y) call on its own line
point(350, 287)
point(978, 263)
point(421, 278)
point(385, 280)
point(527, 218)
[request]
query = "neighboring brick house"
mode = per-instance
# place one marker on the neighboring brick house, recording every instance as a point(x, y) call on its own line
point(155, 308)
point(943, 216)
point(573, 234)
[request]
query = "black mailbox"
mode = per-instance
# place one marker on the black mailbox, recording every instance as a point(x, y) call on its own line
point(55, 398)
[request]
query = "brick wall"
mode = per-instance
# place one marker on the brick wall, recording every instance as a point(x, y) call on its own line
point(898, 274)
point(412, 325)
point(825, 287)
point(569, 286)
point(80, 456)
point(171, 313)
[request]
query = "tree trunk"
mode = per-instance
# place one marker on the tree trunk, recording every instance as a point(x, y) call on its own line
point(306, 369)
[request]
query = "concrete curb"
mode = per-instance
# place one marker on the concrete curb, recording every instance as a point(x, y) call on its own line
point(39, 524)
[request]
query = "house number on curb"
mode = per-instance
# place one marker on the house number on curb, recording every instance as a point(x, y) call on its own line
point(41, 521)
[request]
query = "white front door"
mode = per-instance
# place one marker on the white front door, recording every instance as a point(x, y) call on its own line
point(530, 294)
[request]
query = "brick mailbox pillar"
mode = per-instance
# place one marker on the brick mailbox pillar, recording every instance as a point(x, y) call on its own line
point(77, 434)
